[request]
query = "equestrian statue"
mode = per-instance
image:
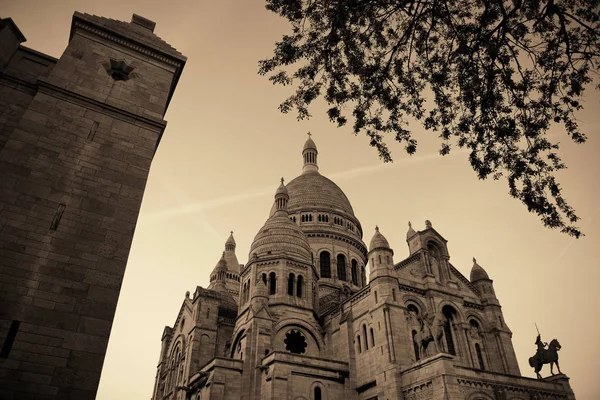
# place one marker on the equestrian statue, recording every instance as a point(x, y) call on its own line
point(545, 356)
point(431, 330)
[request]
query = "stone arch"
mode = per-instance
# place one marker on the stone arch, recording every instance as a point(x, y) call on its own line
point(295, 322)
point(238, 338)
point(341, 267)
point(291, 284)
point(450, 321)
point(354, 272)
point(299, 286)
point(180, 339)
point(318, 387)
point(410, 299)
point(272, 282)
point(477, 318)
point(480, 396)
point(325, 264)
point(459, 312)
point(441, 246)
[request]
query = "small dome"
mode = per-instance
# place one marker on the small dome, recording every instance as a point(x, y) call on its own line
point(280, 235)
point(230, 240)
point(282, 190)
point(378, 241)
point(221, 264)
point(314, 191)
point(309, 144)
point(477, 272)
point(411, 232)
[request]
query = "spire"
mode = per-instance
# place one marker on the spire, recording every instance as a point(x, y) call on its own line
point(309, 154)
point(230, 243)
point(410, 232)
point(281, 198)
point(477, 272)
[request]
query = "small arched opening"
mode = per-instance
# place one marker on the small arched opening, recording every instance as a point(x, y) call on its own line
point(450, 313)
point(341, 267)
point(325, 264)
point(299, 285)
point(291, 284)
point(272, 283)
point(354, 272)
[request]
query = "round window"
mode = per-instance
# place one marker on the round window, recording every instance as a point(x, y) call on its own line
point(295, 342)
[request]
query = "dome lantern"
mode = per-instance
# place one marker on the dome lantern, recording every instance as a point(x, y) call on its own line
point(309, 154)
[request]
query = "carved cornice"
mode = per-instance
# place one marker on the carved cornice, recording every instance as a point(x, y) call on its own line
point(359, 245)
point(492, 386)
point(408, 261)
point(462, 278)
point(127, 42)
point(411, 289)
point(422, 390)
point(473, 305)
point(226, 321)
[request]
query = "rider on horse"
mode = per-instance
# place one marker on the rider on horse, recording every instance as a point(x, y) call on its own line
point(541, 346)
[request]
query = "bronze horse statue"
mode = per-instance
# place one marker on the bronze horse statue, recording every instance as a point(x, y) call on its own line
point(432, 330)
point(546, 356)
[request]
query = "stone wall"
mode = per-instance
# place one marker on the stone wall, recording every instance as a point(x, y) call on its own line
point(74, 170)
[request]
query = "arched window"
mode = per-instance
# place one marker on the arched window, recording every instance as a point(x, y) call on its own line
point(272, 283)
point(325, 263)
point(363, 276)
point(291, 285)
point(376, 296)
point(479, 356)
point(415, 345)
point(341, 267)
point(299, 286)
point(264, 278)
point(394, 294)
point(450, 314)
point(364, 331)
point(359, 345)
point(354, 272)
point(372, 338)
point(317, 394)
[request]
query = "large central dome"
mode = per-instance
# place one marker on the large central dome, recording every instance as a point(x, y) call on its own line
point(311, 190)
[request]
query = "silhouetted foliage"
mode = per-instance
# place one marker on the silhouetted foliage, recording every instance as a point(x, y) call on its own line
point(487, 75)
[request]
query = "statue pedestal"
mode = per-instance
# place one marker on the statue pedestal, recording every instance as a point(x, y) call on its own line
point(562, 380)
point(558, 378)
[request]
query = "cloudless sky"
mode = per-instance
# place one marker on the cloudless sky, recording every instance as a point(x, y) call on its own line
point(226, 147)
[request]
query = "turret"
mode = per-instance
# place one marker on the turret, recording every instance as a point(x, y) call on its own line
point(309, 153)
point(481, 280)
point(219, 275)
point(381, 256)
point(381, 260)
point(260, 295)
point(225, 277)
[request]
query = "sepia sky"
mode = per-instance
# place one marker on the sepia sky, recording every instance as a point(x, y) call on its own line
point(226, 147)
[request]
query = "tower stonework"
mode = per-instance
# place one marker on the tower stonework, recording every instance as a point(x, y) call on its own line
point(77, 138)
point(309, 326)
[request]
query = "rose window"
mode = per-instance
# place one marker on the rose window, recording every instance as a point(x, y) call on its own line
point(295, 342)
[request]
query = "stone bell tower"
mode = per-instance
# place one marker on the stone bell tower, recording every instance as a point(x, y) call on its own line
point(74, 168)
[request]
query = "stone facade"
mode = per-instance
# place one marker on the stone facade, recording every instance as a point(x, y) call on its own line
point(307, 324)
point(77, 137)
